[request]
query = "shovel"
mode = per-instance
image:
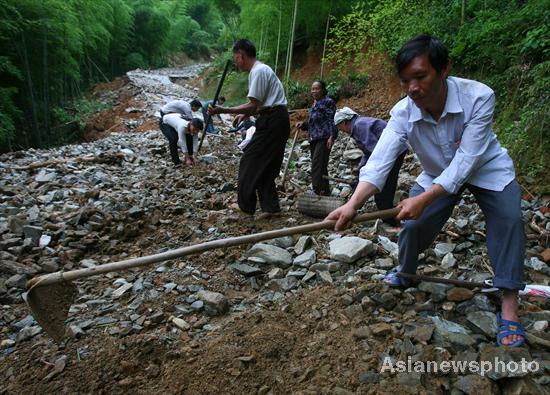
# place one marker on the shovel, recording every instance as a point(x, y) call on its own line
point(50, 296)
point(208, 117)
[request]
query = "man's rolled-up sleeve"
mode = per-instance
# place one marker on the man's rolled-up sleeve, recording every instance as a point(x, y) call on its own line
point(391, 144)
point(473, 144)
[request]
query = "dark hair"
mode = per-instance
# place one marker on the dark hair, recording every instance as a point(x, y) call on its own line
point(195, 103)
point(323, 86)
point(196, 122)
point(246, 46)
point(437, 52)
point(222, 98)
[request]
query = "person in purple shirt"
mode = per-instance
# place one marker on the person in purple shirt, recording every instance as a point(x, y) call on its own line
point(322, 134)
point(366, 132)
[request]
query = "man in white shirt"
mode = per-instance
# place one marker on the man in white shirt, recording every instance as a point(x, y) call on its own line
point(447, 122)
point(183, 111)
point(187, 135)
point(263, 156)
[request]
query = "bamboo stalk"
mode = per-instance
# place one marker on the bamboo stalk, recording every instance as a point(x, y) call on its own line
point(279, 35)
point(325, 42)
point(291, 41)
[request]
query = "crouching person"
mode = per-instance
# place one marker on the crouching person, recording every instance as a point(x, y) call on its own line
point(366, 132)
point(188, 135)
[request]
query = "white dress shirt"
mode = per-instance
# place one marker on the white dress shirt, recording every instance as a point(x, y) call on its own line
point(459, 148)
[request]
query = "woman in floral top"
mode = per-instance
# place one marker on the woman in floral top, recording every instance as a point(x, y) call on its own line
point(322, 134)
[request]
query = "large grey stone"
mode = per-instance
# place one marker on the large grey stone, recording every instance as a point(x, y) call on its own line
point(209, 159)
point(214, 300)
point(43, 177)
point(483, 322)
point(283, 242)
point(537, 265)
point(15, 225)
point(33, 233)
point(271, 254)
point(387, 244)
point(438, 291)
point(353, 154)
point(17, 281)
point(319, 267)
point(246, 270)
point(9, 266)
point(25, 322)
point(303, 243)
point(420, 331)
point(306, 259)
point(448, 261)
point(452, 332)
point(88, 263)
point(325, 277)
point(384, 263)
point(349, 249)
point(135, 212)
point(27, 333)
point(442, 249)
point(283, 284)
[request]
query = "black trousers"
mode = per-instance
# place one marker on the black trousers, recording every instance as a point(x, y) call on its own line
point(170, 133)
point(261, 163)
point(319, 166)
point(172, 136)
point(384, 199)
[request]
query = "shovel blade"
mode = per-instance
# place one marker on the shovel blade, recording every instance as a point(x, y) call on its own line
point(50, 305)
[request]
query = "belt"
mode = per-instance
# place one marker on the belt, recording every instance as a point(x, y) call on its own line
point(271, 110)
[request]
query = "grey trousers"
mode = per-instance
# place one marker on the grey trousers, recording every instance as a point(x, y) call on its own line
point(504, 226)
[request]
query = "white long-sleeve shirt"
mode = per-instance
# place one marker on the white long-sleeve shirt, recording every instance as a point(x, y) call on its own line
point(179, 107)
point(181, 126)
point(459, 148)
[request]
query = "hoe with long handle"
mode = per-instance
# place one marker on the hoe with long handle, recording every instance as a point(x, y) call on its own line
point(218, 90)
point(50, 296)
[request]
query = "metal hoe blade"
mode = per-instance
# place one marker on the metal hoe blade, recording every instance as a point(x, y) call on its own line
point(50, 306)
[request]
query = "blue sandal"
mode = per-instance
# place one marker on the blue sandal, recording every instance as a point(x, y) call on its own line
point(507, 328)
point(392, 280)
